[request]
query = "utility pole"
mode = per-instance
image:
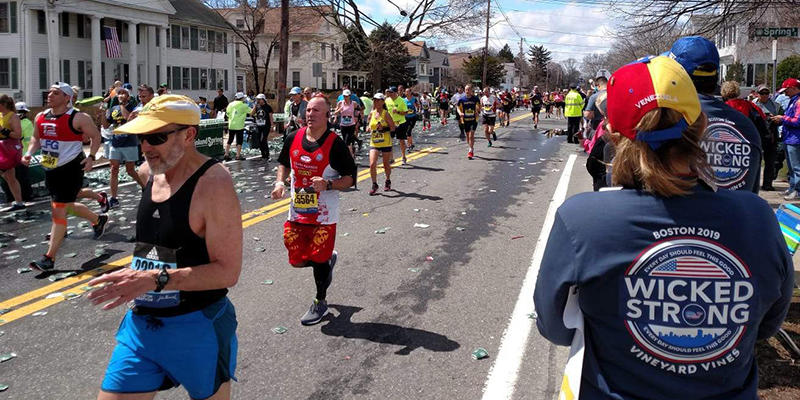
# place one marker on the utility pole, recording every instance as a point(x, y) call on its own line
point(283, 62)
point(486, 45)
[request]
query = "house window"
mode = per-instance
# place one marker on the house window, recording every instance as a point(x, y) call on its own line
point(240, 23)
point(195, 45)
point(176, 78)
point(226, 79)
point(81, 74)
point(187, 79)
point(203, 40)
point(225, 43)
point(41, 22)
point(323, 46)
point(203, 79)
point(84, 26)
point(122, 31)
point(295, 78)
point(138, 32)
point(176, 37)
point(65, 24)
point(212, 79)
point(324, 80)
point(220, 42)
point(158, 74)
point(212, 41)
point(65, 72)
point(8, 17)
point(9, 73)
point(103, 74)
point(185, 40)
point(295, 49)
point(43, 74)
point(89, 77)
point(275, 81)
point(239, 83)
point(238, 51)
point(195, 78)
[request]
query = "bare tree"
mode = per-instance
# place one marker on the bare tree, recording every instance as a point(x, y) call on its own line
point(592, 63)
point(252, 15)
point(422, 18)
point(666, 15)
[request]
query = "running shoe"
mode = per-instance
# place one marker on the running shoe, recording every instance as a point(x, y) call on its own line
point(411, 148)
point(315, 313)
point(43, 264)
point(470, 155)
point(100, 227)
point(240, 158)
point(374, 189)
point(104, 204)
point(494, 136)
point(490, 143)
point(15, 206)
point(535, 126)
point(404, 160)
point(113, 203)
point(386, 185)
point(332, 263)
point(227, 158)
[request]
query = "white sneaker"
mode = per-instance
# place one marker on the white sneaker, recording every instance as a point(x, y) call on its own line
point(791, 196)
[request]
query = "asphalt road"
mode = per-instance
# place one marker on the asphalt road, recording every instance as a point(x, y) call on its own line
point(408, 307)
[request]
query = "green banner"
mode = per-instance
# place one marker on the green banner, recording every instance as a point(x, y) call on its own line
point(209, 138)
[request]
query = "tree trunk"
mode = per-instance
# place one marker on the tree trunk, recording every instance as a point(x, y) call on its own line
point(284, 57)
point(254, 63)
point(266, 65)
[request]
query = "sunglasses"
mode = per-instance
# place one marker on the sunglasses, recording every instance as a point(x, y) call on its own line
point(158, 138)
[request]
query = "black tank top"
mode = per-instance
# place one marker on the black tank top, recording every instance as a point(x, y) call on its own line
point(166, 224)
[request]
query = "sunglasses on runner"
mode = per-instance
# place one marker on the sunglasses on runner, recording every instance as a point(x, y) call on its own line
point(158, 138)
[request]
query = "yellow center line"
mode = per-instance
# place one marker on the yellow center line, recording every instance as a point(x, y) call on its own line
point(263, 213)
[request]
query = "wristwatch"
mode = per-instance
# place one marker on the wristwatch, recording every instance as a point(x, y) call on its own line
point(329, 186)
point(92, 157)
point(161, 280)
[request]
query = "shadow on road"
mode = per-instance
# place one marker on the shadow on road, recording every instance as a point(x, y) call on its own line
point(414, 166)
point(493, 159)
point(410, 338)
point(417, 196)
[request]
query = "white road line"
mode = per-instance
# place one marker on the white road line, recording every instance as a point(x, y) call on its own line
point(503, 376)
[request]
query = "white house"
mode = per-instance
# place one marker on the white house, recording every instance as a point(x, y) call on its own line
point(420, 63)
point(512, 76)
point(180, 42)
point(312, 41)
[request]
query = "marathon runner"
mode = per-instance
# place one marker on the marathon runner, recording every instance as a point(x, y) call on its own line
point(59, 132)
point(413, 115)
point(425, 105)
point(467, 107)
point(444, 107)
point(507, 104)
point(488, 108)
point(10, 149)
point(181, 329)
point(454, 100)
point(398, 109)
point(346, 110)
point(380, 126)
point(320, 167)
point(120, 148)
point(536, 106)
point(366, 100)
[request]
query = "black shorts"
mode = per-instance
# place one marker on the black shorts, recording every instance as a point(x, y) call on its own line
point(489, 120)
point(536, 109)
point(401, 131)
point(470, 126)
point(348, 134)
point(236, 133)
point(507, 109)
point(66, 181)
point(560, 104)
point(387, 149)
point(411, 122)
point(426, 114)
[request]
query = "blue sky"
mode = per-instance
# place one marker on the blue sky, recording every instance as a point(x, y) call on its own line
point(567, 29)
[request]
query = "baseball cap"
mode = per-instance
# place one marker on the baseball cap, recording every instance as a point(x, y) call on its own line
point(345, 92)
point(296, 90)
point(21, 106)
point(64, 87)
point(163, 85)
point(127, 86)
point(238, 95)
point(261, 96)
point(789, 83)
point(160, 112)
point(123, 89)
point(366, 94)
point(761, 88)
point(393, 89)
point(603, 73)
point(379, 96)
point(642, 86)
point(694, 51)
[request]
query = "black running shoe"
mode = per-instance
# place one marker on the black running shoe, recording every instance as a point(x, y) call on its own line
point(374, 189)
point(494, 136)
point(43, 264)
point(100, 227)
point(387, 185)
point(104, 204)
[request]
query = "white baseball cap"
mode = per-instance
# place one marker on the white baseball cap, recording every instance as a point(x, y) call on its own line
point(261, 96)
point(238, 95)
point(64, 87)
point(346, 92)
point(379, 96)
point(21, 106)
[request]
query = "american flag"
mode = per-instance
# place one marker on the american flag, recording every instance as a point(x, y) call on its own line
point(690, 267)
point(724, 136)
point(112, 42)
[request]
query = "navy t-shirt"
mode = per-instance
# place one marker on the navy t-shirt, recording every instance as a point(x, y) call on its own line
point(674, 291)
point(469, 104)
point(115, 118)
point(732, 146)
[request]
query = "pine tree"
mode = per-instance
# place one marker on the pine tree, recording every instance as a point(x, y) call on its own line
point(473, 67)
point(505, 54)
point(539, 57)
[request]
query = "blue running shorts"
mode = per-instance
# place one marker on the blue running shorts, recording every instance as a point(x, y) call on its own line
point(196, 350)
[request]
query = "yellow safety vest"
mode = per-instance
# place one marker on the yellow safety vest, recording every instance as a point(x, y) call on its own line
point(573, 104)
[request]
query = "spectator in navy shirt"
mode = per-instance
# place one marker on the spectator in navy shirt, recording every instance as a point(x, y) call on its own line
point(791, 136)
point(670, 286)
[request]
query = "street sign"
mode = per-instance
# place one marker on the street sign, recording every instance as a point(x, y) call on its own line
point(316, 70)
point(776, 32)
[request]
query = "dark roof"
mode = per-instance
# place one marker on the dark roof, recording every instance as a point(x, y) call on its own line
point(195, 12)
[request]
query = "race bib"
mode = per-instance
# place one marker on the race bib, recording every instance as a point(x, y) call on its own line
point(148, 257)
point(379, 139)
point(469, 112)
point(347, 120)
point(305, 202)
point(49, 153)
